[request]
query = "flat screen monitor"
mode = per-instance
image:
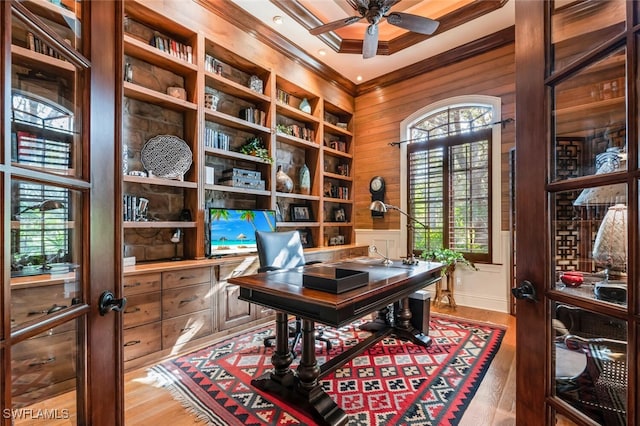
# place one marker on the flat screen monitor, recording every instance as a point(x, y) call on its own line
point(232, 231)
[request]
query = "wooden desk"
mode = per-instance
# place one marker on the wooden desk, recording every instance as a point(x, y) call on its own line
point(283, 291)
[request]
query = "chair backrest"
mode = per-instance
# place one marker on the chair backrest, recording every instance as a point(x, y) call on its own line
point(279, 250)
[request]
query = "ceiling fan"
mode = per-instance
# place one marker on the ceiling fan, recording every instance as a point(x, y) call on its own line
point(374, 11)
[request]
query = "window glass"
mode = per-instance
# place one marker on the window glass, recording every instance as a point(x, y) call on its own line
point(449, 160)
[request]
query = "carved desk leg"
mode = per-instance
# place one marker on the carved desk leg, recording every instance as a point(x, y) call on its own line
point(320, 403)
point(282, 377)
point(380, 323)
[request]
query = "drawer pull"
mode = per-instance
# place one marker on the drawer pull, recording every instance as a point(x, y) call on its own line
point(185, 301)
point(185, 329)
point(187, 277)
point(130, 311)
point(132, 343)
point(132, 285)
point(54, 308)
point(43, 362)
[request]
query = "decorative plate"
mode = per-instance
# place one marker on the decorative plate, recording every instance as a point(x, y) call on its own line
point(166, 156)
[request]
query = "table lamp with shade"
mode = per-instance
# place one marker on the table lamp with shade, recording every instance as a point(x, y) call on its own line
point(44, 206)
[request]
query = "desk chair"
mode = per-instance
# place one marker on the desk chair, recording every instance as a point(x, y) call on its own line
point(283, 250)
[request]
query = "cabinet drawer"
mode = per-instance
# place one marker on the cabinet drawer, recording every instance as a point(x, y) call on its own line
point(185, 277)
point(42, 362)
point(247, 267)
point(142, 309)
point(144, 283)
point(183, 300)
point(180, 330)
point(142, 340)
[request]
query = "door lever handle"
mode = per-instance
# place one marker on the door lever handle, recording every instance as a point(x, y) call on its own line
point(108, 303)
point(526, 291)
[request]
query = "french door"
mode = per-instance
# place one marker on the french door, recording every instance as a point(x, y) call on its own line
point(577, 212)
point(61, 357)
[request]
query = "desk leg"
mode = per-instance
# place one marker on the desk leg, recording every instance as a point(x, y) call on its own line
point(403, 328)
point(321, 405)
point(282, 376)
point(380, 323)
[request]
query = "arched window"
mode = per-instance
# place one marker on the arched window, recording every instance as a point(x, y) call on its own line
point(449, 158)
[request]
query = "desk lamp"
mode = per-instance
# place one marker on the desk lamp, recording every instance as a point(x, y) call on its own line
point(43, 207)
point(379, 206)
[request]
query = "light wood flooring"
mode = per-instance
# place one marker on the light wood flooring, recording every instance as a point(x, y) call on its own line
point(493, 404)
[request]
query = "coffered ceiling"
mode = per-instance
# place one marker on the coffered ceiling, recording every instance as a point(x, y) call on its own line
point(340, 51)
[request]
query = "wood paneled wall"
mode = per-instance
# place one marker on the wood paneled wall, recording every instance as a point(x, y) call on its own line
point(380, 112)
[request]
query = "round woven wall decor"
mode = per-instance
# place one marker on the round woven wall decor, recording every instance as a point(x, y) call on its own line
point(166, 156)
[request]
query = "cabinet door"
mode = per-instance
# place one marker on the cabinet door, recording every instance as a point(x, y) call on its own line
point(233, 311)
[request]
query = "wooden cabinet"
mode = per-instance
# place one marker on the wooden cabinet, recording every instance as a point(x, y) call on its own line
point(142, 315)
point(233, 312)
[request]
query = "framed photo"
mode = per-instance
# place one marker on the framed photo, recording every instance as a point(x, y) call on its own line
point(301, 213)
point(339, 215)
point(279, 217)
point(306, 237)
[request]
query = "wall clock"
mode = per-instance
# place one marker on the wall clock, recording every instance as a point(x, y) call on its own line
point(377, 189)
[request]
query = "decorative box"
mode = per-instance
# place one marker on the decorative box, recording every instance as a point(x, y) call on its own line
point(241, 173)
point(240, 182)
point(334, 280)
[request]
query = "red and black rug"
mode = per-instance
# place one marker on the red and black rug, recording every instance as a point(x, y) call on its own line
point(391, 383)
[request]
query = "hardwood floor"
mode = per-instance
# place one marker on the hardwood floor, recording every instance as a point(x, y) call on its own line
point(493, 404)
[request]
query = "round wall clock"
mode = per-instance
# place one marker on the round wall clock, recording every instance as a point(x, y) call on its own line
point(377, 189)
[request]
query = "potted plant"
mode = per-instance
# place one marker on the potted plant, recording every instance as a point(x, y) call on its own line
point(254, 146)
point(450, 258)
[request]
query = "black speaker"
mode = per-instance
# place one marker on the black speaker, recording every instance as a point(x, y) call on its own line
point(185, 215)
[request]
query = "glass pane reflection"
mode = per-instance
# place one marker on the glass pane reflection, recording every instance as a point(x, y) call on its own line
point(590, 363)
point(590, 242)
point(44, 371)
point(580, 26)
point(590, 120)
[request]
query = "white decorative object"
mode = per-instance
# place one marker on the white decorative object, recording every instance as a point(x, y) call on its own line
point(209, 175)
point(166, 156)
point(255, 84)
point(305, 106)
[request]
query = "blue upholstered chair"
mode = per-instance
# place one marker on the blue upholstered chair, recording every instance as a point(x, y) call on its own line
point(283, 250)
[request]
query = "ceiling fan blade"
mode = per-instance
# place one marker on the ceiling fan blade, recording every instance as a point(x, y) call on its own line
point(413, 23)
point(370, 42)
point(334, 25)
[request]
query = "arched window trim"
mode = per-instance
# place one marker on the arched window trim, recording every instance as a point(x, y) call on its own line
point(411, 120)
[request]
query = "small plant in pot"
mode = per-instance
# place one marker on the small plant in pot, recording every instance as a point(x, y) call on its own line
point(450, 258)
point(255, 146)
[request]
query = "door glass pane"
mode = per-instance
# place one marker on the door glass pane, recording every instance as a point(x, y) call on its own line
point(45, 250)
point(589, 243)
point(61, 16)
point(590, 120)
point(43, 374)
point(580, 26)
point(590, 363)
point(45, 103)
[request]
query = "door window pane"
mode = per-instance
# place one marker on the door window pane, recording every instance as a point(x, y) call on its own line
point(590, 363)
point(590, 120)
point(46, 124)
point(578, 27)
point(45, 250)
point(43, 374)
point(590, 244)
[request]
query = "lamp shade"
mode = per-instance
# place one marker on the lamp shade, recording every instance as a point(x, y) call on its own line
point(610, 246)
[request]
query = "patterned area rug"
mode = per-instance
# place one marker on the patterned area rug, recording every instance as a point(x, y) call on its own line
point(391, 383)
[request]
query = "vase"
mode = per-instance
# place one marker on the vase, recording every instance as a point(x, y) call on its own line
point(283, 182)
point(305, 180)
point(305, 106)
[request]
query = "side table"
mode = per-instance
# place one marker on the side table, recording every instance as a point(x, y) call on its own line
point(447, 292)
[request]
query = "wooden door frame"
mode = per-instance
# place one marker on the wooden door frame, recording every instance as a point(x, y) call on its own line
point(105, 383)
point(531, 225)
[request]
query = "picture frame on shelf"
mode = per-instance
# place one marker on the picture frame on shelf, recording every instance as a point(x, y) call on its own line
point(301, 213)
point(305, 237)
point(279, 217)
point(339, 215)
